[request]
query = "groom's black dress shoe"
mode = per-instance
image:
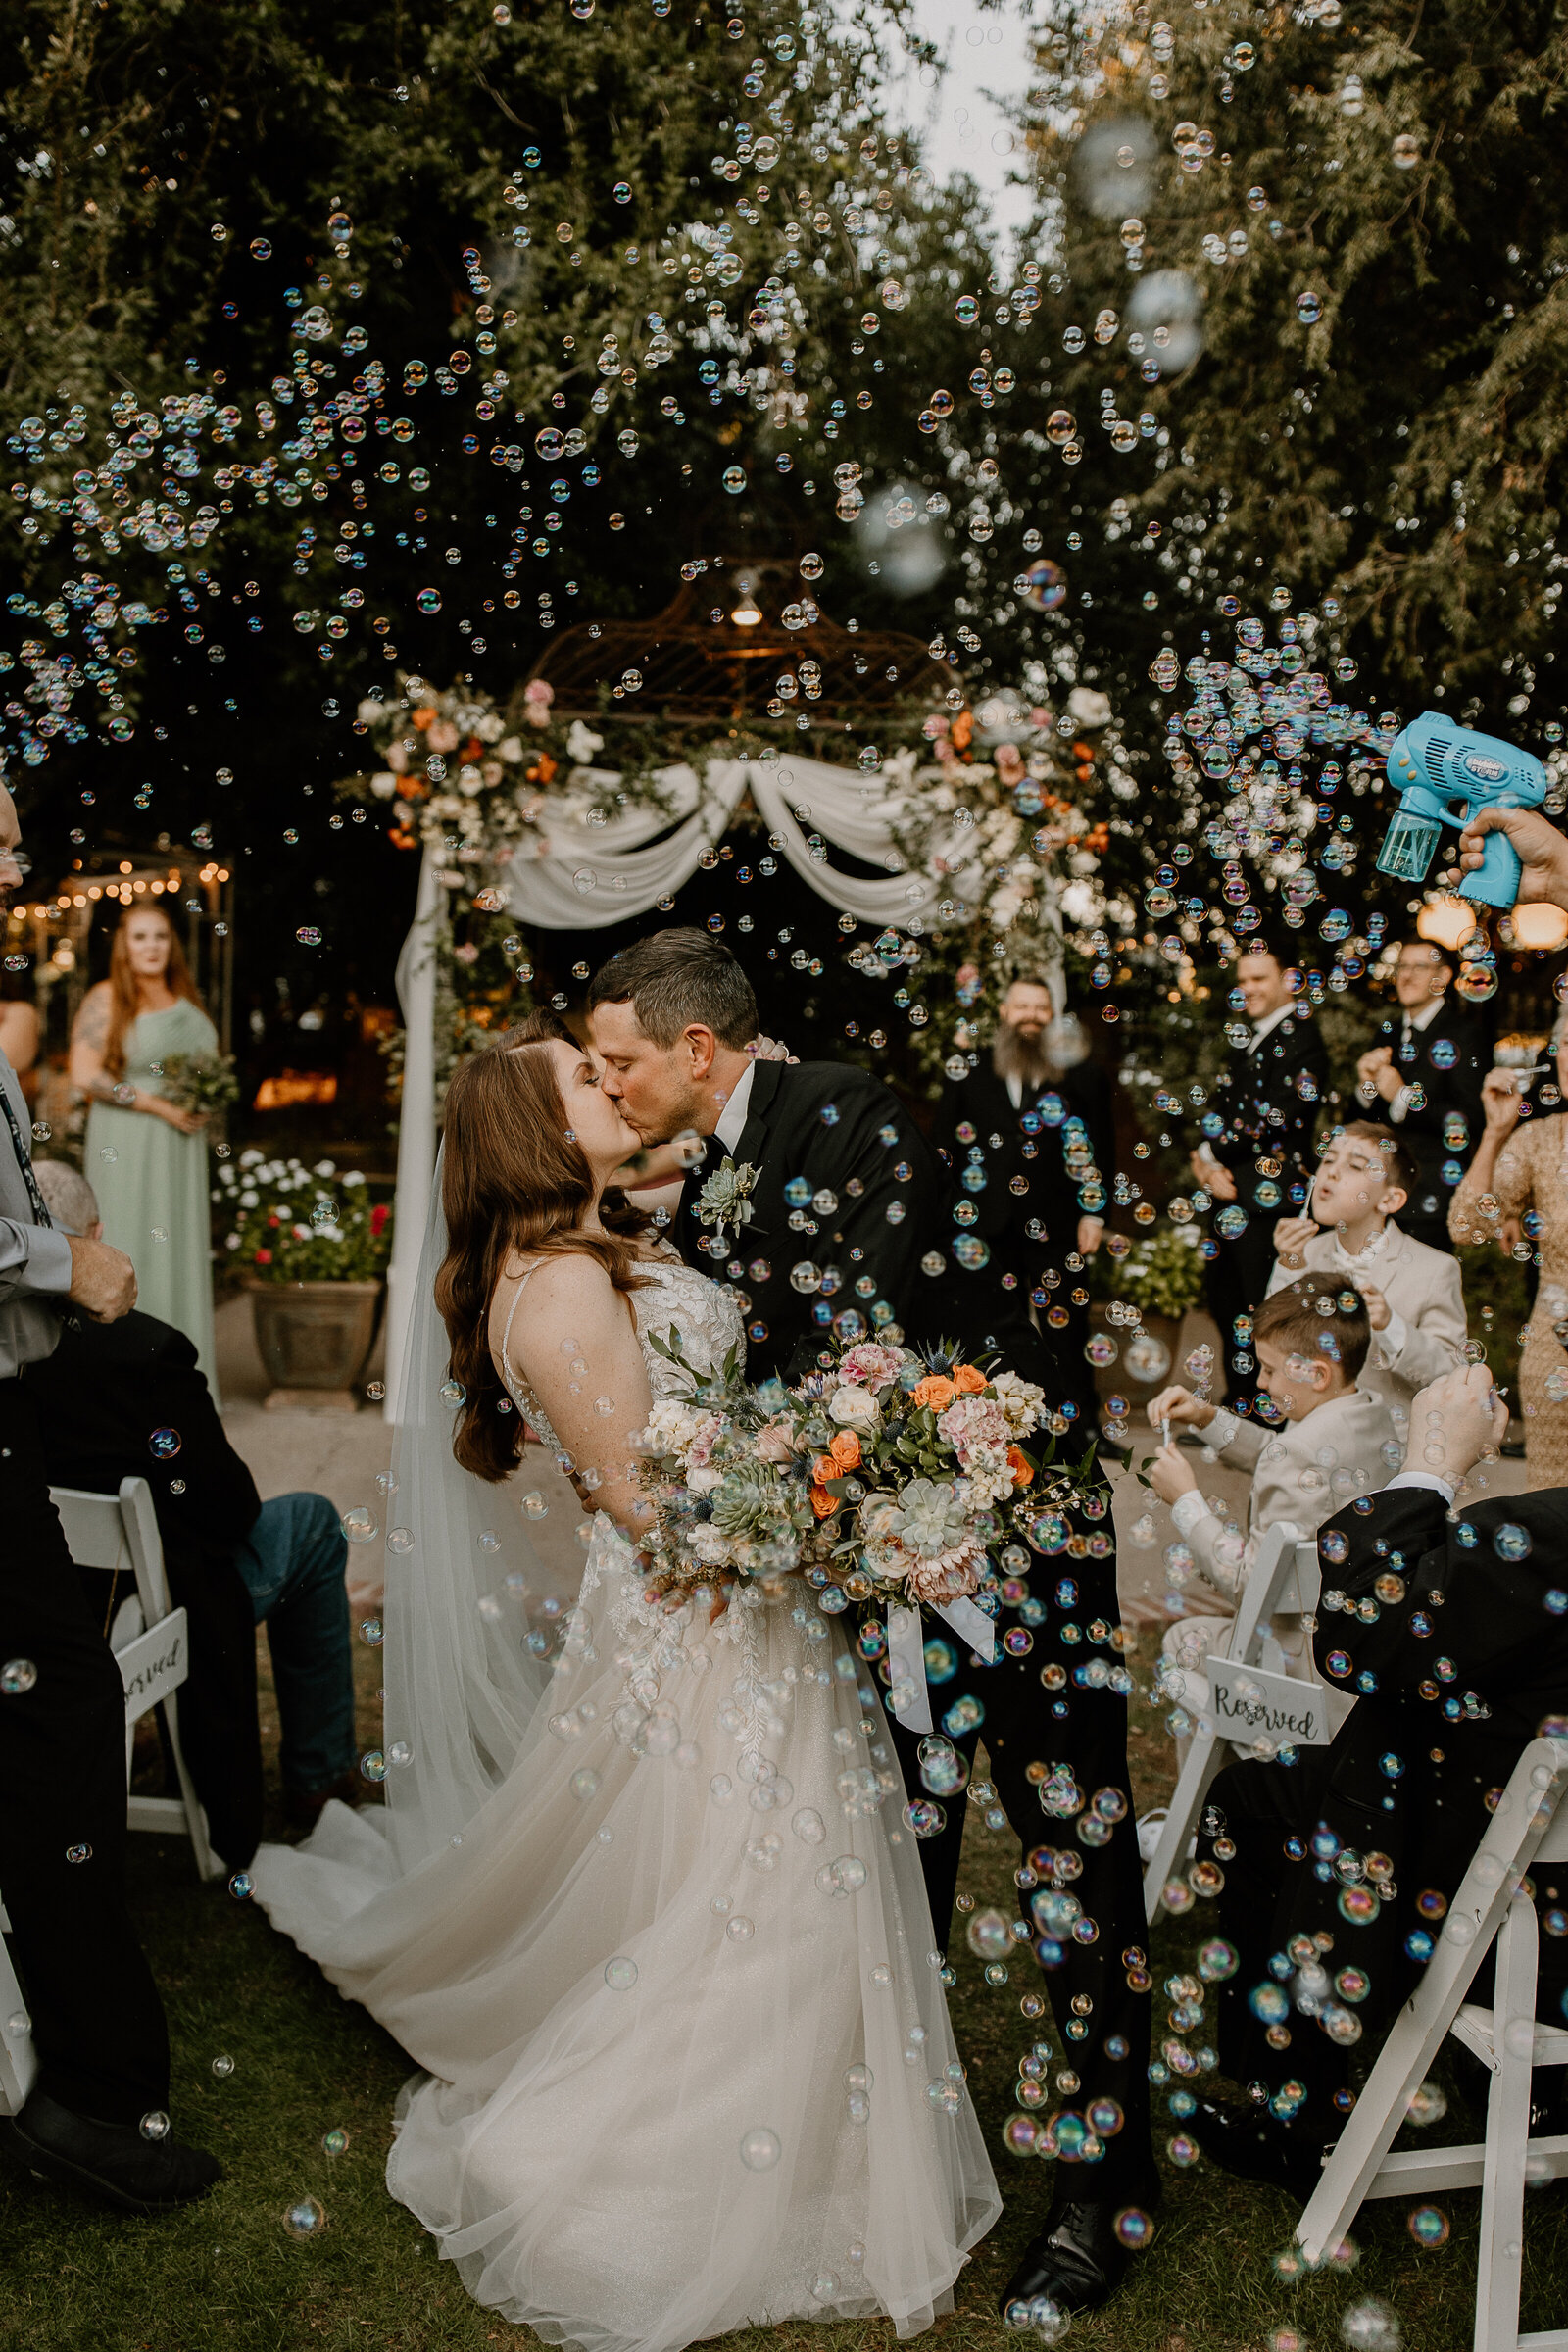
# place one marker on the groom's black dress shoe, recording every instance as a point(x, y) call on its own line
point(1255, 2146)
point(111, 2161)
point(1078, 2260)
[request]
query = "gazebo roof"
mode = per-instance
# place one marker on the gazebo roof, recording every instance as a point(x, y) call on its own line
point(696, 660)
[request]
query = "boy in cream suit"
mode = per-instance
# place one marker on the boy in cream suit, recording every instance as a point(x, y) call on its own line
point(1412, 1292)
point(1334, 1440)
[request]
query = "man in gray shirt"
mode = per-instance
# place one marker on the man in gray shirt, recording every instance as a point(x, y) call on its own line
point(97, 2023)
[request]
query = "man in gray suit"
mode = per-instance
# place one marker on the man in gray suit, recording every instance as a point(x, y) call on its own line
point(97, 2022)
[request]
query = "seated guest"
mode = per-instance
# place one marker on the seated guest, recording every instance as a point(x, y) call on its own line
point(1396, 1807)
point(110, 1399)
point(1413, 1294)
point(1334, 1440)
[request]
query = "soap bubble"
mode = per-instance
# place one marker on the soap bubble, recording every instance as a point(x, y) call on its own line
point(371, 1632)
point(400, 1539)
point(335, 2141)
point(305, 2218)
point(734, 479)
point(1309, 310)
point(453, 1393)
point(761, 2149)
point(163, 1444)
point(1134, 2228)
point(988, 1935)
point(17, 1674)
point(1428, 2225)
point(429, 600)
point(360, 1524)
point(1371, 2327)
point(966, 311)
point(78, 1853)
point(261, 249)
point(242, 1885)
point(373, 1765)
point(222, 2066)
point(308, 936)
point(620, 1973)
point(155, 2125)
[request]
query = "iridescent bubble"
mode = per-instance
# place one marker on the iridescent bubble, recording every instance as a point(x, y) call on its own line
point(429, 600)
point(308, 936)
point(17, 1674)
point(453, 1393)
point(373, 1765)
point(305, 2218)
point(733, 478)
point(966, 311)
point(1371, 2327)
point(1309, 307)
point(261, 249)
point(400, 1539)
point(620, 1973)
point(78, 1853)
point(242, 1885)
point(163, 1445)
point(1428, 2225)
point(222, 2066)
point(371, 1632)
point(761, 2149)
point(155, 2125)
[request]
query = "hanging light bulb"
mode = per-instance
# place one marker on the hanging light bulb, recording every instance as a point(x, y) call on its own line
point(748, 613)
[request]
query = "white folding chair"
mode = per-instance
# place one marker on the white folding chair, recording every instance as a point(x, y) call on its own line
point(1284, 1574)
point(119, 1534)
point(1529, 1829)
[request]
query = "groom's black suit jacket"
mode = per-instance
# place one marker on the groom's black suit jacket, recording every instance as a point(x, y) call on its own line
point(848, 1134)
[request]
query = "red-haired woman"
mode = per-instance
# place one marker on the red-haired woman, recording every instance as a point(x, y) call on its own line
point(650, 2003)
point(147, 1158)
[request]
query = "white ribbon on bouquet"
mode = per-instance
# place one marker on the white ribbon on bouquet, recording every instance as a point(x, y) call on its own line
point(906, 1651)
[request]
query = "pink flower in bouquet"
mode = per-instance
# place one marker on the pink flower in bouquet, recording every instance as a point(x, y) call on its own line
point(1009, 765)
point(972, 1422)
point(774, 1443)
point(537, 697)
point(871, 1365)
point(953, 1577)
point(443, 736)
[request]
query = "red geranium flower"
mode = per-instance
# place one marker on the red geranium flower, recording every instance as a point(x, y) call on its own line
point(379, 1217)
point(263, 1257)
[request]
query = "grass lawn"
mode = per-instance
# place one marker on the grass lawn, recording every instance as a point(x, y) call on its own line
point(225, 2276)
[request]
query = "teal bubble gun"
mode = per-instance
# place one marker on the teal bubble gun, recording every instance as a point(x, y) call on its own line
point(1444, 775)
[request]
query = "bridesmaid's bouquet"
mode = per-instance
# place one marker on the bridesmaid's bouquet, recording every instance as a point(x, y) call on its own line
point(207, 1083)
point(889, 1475)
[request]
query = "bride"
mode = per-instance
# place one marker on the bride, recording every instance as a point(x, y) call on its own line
point(644, 1910)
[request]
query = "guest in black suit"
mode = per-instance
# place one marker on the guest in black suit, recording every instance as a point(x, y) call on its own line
point(1031, 1139)
point(96, 2021)
point(1445, 1634)
point(232, 1561)
point(840, 1181)
point(1255, 1158)
point(1426, 1064)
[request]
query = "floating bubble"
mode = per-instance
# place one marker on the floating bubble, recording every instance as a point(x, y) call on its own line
point(1428, 2225)
point(761, 2148)
point(261, 249)
point(733, 478)
point(16, 1676)
point(222, 2066)
point(1371, 2327)
point(78, 1853)
point(305, 2218)
point(373, 1765)
point(242, 1885)
point(155, 2125)
point(966, 311)
point(308, 936)
point(429, 600)
point(1309, 307)
point(163, 1445)
point(620, 1973)
point(452, 1394)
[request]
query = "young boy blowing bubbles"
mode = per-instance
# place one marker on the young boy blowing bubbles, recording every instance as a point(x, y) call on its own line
point(1413, 1294)
point(1332, 1441)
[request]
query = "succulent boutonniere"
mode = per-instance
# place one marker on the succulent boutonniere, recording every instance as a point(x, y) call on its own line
point(725, 1198)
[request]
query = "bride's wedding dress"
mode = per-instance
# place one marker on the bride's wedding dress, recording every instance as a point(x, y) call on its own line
point(688, 2062)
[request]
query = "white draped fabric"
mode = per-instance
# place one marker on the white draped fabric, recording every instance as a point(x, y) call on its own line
point(593, 875)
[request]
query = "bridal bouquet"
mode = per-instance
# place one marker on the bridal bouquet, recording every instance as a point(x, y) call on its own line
point(202, 1081)
point(887, 1476)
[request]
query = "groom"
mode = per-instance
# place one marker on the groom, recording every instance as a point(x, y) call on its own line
point(850, 1212)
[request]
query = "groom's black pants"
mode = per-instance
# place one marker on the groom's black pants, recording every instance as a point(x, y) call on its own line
point(1041, 1712)
point(97, 2021)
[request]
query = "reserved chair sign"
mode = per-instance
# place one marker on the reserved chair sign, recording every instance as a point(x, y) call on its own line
point(1254, 1702)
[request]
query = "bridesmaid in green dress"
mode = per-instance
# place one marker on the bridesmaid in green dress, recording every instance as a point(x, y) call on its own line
point(146, 1159)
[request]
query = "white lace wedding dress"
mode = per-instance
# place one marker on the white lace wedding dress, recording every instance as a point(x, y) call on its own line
point(688, 2059)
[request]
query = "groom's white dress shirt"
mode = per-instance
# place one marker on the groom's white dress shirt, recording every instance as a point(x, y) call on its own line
point(731, 1124)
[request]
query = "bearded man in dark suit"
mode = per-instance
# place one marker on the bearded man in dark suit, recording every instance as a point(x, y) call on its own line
point(1423, 1073)
point(851, 1229)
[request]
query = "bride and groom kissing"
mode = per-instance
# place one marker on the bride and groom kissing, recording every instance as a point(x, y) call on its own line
point(646, 1904)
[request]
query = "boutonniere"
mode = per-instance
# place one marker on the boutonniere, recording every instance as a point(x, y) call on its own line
point(725, 1198)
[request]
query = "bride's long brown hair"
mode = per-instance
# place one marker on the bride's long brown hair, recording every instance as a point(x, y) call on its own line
point(512, 1184)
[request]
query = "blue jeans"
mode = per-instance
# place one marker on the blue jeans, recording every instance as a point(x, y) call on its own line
point(292, 1562)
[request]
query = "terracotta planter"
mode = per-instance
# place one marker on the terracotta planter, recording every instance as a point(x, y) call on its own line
point(1121, 1378)
point(314, 1340)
